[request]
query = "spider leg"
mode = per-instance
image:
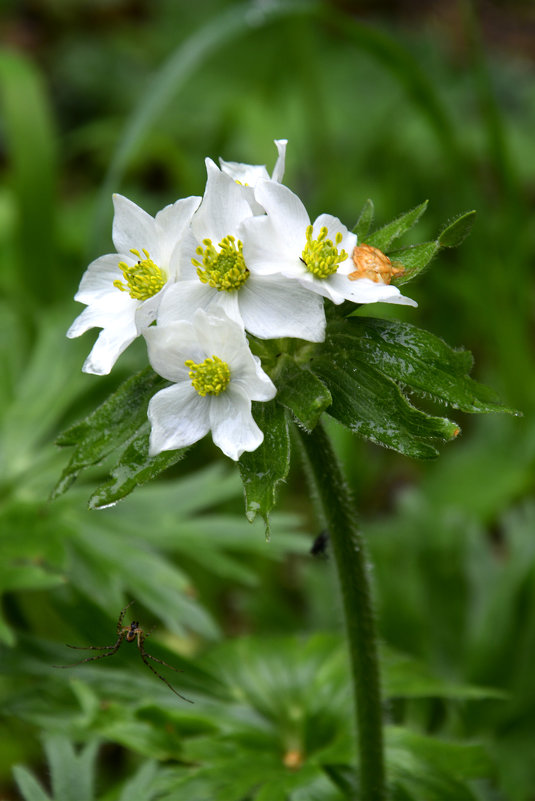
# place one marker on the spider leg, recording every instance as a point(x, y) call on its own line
point(112, 649)
point(161, 662)
point(121, 616)
point(91, 647)
point(144, 656)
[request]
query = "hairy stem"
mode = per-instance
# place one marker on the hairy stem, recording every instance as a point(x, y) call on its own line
point(337, 508)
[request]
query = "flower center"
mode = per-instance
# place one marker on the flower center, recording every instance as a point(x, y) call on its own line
point(144, 279)
point(222, 269)
point(320, 256)
point(211, 377)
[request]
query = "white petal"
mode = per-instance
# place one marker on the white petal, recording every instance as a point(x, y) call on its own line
point(111, 342)
point(222, 209)
point(278, 170)
point(132, 227)
point(169, 346)
point(255, 384)
point(109, 311)
point(266, 252)
point(179, 416)
point(147, 311)
point(248, 174)
point(182, 299)
point(98, 279)
point(273, 306)
point(289, 216)
point(233, 427)
point(363, 290)
point(172, 222)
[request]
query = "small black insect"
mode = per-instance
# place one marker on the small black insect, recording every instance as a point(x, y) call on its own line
point(320, 545)
point(128, 633)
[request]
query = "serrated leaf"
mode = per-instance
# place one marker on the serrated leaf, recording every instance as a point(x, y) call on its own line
point(114, 423)
point(414, 259)
point(457, 230)
point(302, 393)
point(263, 469)
point(372, 405)
point(416, 359)
point(365, 220)
point(134, 468)
point(383, 237)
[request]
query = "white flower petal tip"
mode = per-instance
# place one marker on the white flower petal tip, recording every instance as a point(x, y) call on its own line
point(122, 290)
point(250, 174)
point(215, 378)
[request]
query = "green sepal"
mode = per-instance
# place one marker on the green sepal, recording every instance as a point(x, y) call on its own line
point(417, 359)
point(263, 469)
point(383, 237)
point(111, 425)
point(457, 230)
point(135, 467)
point(365, 220)
point(371, 404)
point(302, 393)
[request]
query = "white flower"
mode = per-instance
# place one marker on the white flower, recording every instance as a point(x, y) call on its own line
point(215, 377)
point(318, 255)
point(248, 175)
point(214, 274)
point(122, 291)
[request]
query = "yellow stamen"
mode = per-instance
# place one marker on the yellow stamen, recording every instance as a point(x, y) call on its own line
point(321, 256)
point(222, 269)
point(144, 279)
point(211, 377)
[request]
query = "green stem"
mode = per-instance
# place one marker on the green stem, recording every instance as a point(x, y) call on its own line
point(336, 505)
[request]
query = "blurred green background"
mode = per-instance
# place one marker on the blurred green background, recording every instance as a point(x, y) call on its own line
point(396, 101)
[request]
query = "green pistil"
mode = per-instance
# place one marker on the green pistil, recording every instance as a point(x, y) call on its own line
point(144, 279)
point(222, 269)
point(320, 256)
point(211, 377)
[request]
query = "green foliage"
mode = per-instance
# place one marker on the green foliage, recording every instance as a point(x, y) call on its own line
point(72, 775)
point(263, 469)
point(369, 113)
point(383, 237)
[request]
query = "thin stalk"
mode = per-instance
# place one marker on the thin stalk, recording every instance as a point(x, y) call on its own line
point(336, 506)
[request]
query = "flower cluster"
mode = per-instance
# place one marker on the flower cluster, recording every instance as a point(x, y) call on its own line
point(202, 278)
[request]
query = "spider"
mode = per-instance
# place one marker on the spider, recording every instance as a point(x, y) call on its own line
point(130, 633)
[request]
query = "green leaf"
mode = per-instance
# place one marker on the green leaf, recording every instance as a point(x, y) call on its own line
point(114, 423)
point(135, 467)
point(263, 469)
point(365, 220)
point(456, 232)
point(414, 259)
point(141, 786)
point(434, 769)
point(31, 141)
point(406, 677)
point(371, 404)
point(383, 237)
point(72, 774)
point(414, 358)
point(302, 393)
point(28, 785)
